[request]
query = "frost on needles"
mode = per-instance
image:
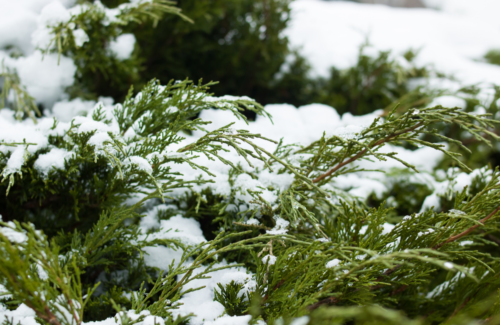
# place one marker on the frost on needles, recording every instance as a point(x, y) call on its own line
point(171, 208)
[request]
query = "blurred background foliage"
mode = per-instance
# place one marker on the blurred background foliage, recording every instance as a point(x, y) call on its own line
point(241, 44)
point(493, 57)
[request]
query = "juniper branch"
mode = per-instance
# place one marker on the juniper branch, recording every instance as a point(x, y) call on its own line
point(364, 151)
point(334, 300)
point(468, 230)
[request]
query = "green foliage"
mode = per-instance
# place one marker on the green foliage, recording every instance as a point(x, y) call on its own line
point(32, 272)
point(99, 72)
point(73, 241)
point(357, 262)
point(493, 57)
point(206, 49)
point(15, 95)
point(234, 303)
point(375, 82)
point(101, 307)
point(360, 315)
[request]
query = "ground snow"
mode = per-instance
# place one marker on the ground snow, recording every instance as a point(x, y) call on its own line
point(451, 39)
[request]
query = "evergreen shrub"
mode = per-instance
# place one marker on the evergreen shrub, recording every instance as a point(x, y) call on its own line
point(239, 43)
point(170, 207)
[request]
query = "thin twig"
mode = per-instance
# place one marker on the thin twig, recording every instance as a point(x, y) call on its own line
point(467, 231)
point(460, 307)
point(334, 300)
point(362, 152)
point(274, 289)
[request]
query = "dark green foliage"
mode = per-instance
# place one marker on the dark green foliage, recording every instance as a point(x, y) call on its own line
point(493, 57)
point(375, 82)
point(265, 69)
point(101, 307)
point(99, 72)
point(236, 42)
point(228, 296)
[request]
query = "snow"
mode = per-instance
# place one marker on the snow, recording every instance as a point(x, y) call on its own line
point(387, 228)
point(186, 230)
point(45, 77)
point(23, 314)
point(201, 302)
point(53, 14)
point(280, 228)
point(304, 320)
point(80, 37)
point(269, 259)
point(140, 163)
point(24, 25)
point(438, 290)
point(23, 22)
point(448, 101)
point(87, 124)
point(17, 132)
point(123, 46)
point(230, 320)
point(457, 212)
point(455, 181)
point(153, 320)
point(53, 159)
point(4, 294)
point(333, 263)
point(12, 234)
point(451, 39)
point(466, 242)
point(18, 20)
point(66, 110)
point(253, 222)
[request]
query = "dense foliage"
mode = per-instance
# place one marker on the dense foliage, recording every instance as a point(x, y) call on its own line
point(206, 50)
point(170, 207)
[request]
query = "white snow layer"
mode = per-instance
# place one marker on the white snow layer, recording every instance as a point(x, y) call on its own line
point(53, 159)
point(25, 26)
point(123, 46)
point(329, 33)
